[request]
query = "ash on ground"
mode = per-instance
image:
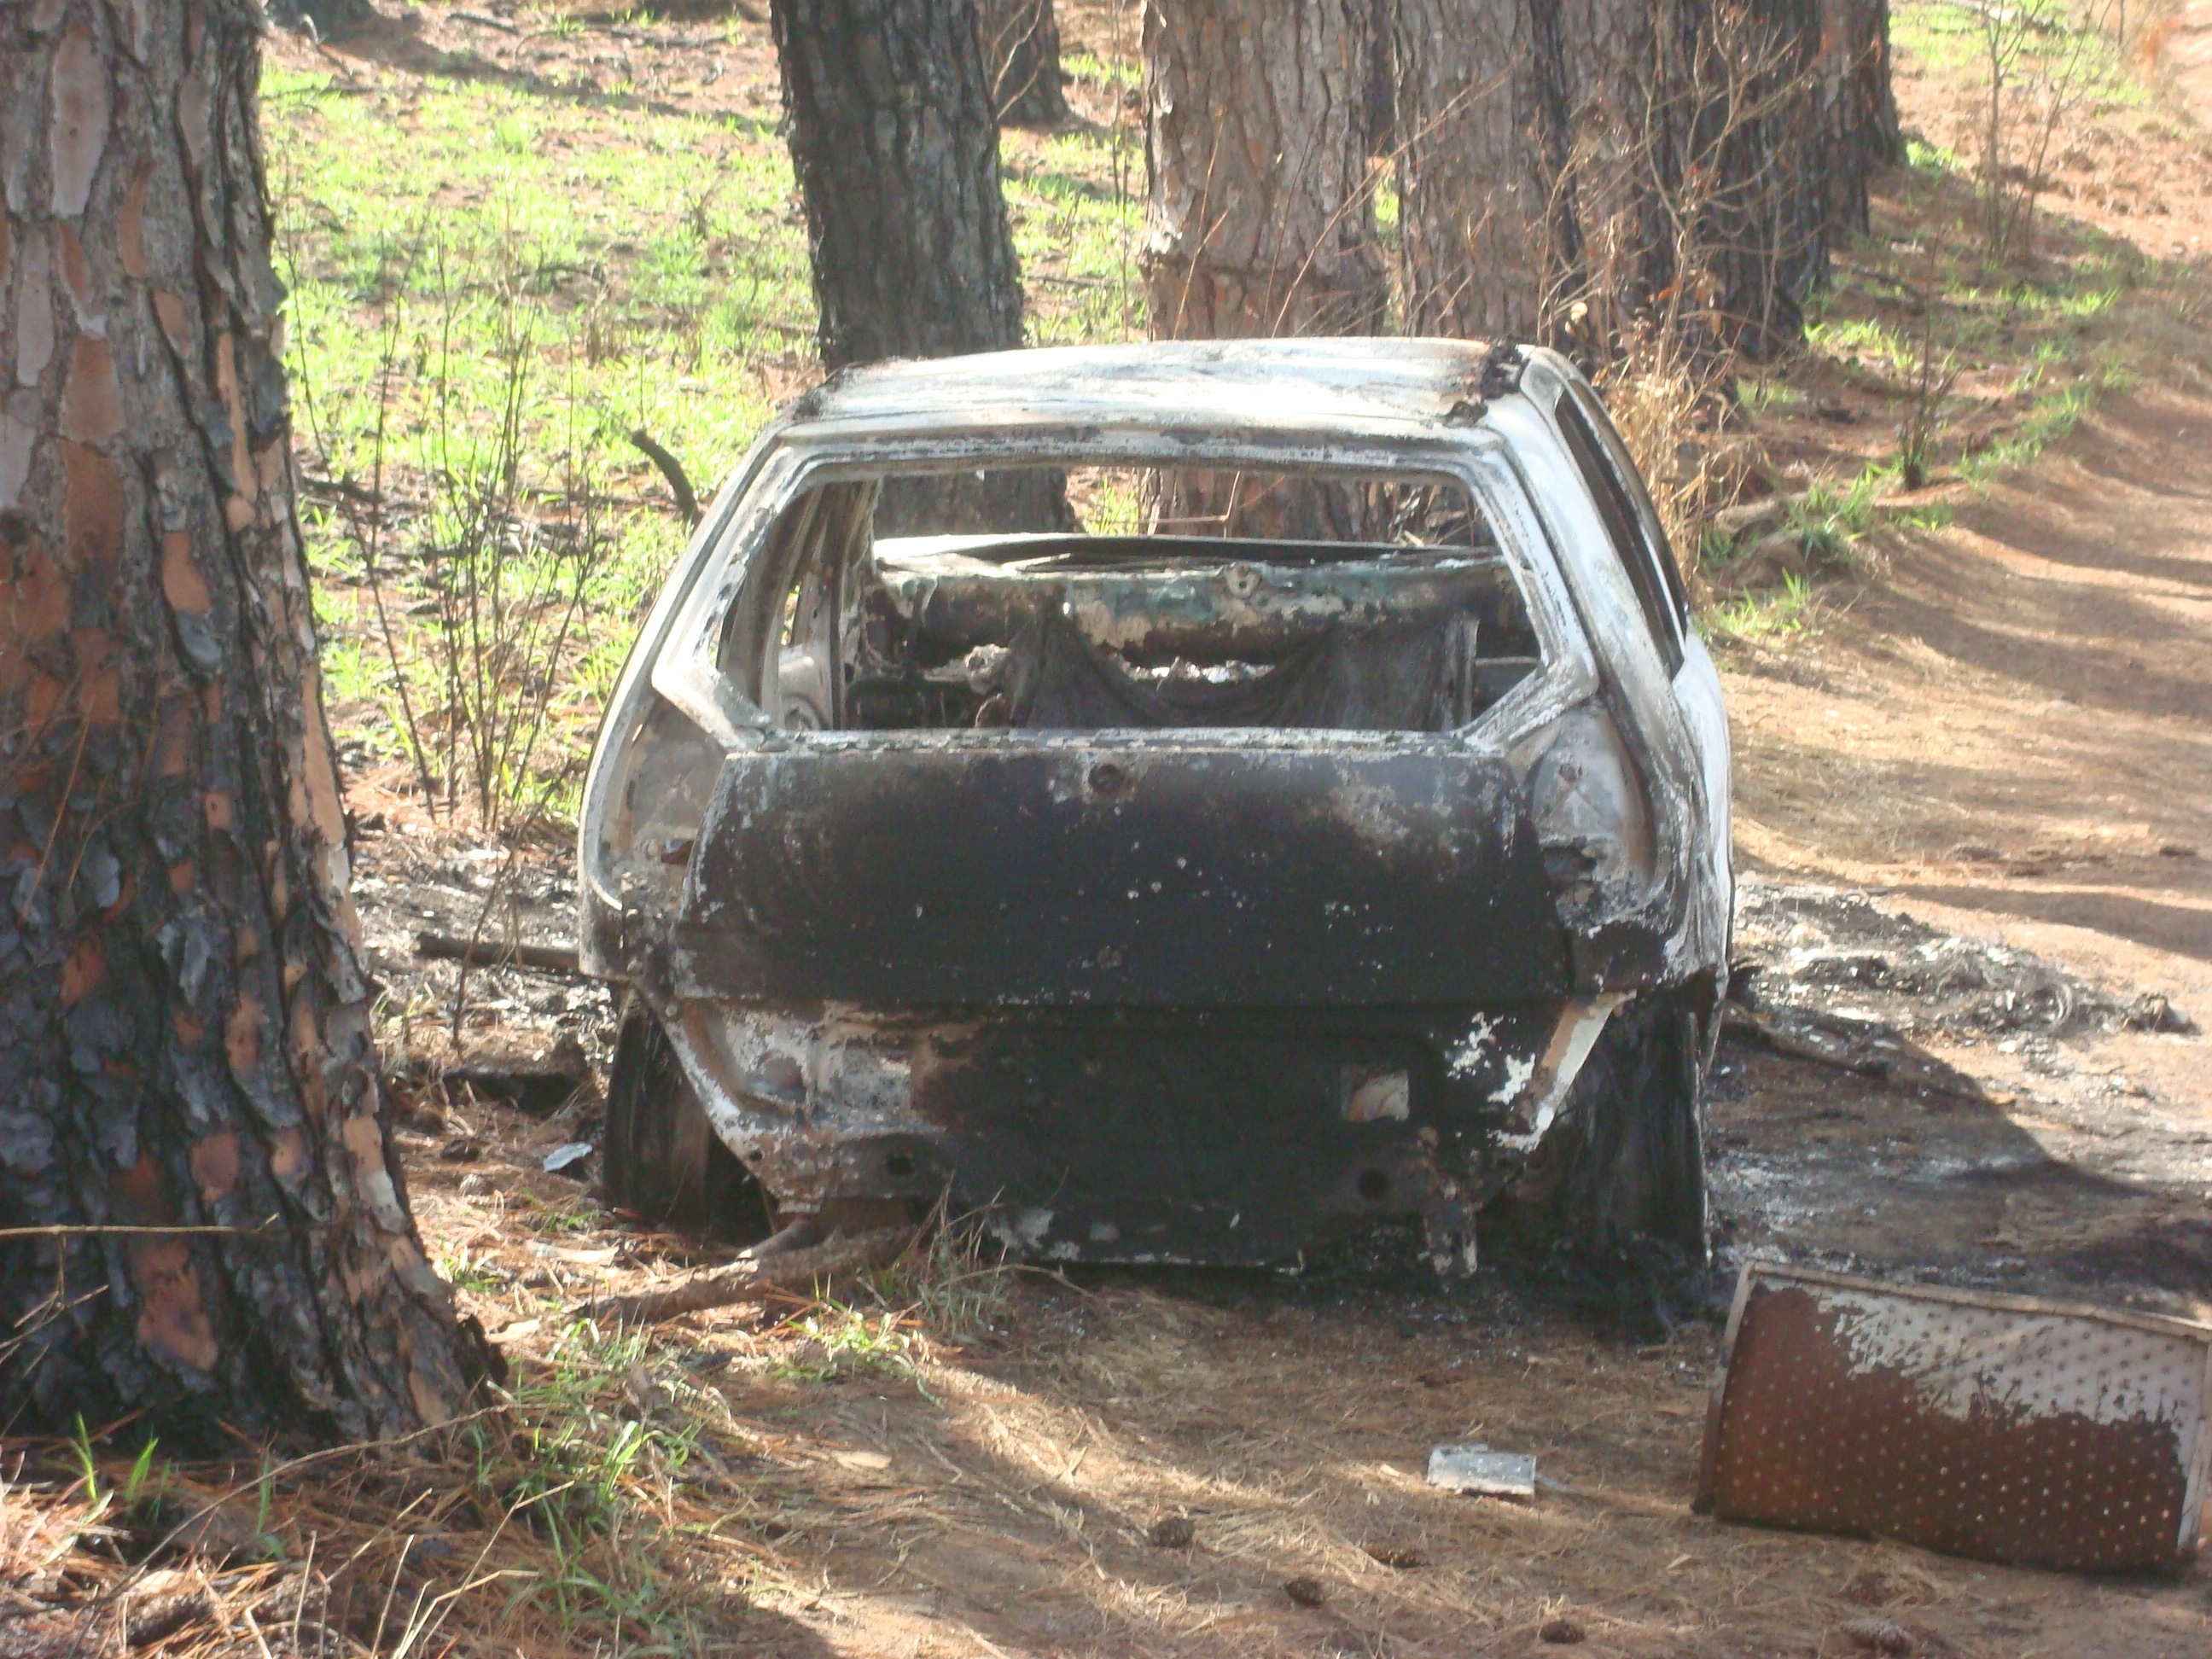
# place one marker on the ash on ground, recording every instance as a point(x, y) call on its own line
point(1896, 1099)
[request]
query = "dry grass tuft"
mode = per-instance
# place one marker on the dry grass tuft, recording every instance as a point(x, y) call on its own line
point(577, 1514)
point(1673, 419)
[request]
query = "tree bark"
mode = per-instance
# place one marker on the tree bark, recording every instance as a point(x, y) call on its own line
point(1859, 130)
point(896, 145)
point(1260, 220)
point(1021, 47)
point(202, 1219)
point(1612, 174)
point(1382, 77)
point(1603, 114)
point(1752, 152)
point(1471, 175)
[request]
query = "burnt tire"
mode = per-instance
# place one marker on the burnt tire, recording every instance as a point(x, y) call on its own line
point(1624, 1170)
point(662, 1160)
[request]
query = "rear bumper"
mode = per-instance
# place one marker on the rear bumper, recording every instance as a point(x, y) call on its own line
point(1231, 1136)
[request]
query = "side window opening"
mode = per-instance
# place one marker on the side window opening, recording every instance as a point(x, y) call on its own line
point(1630, 525)
point(1180, 597)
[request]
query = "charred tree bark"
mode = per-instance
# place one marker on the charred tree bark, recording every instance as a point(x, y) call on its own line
point(1675, 191)
point(1471, 174)
point(1260, 221)
point(202, 1219)
point(1753, 167)
point(1613, 175)
point(1382, 77)
point(1261, 218)
point(1021, 47)
point(895, 142)
point(1602, 130)
point(1859, 130)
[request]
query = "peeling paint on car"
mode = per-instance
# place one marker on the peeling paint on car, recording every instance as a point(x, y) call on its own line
point(1545, 1081)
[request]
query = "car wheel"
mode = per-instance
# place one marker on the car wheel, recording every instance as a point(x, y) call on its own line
point(1624, 1167)
point(662, 1159)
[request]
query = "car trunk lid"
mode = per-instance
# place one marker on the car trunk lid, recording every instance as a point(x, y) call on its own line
point(1117, 869)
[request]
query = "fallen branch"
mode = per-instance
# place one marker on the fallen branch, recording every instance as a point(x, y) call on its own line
point(1745, 1027)
point(792, 1270)
point(680, 484)
point(496, 953)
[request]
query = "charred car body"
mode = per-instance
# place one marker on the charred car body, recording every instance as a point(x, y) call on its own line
point(1182, 800)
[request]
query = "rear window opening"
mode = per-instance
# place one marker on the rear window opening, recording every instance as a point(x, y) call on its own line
point(1096, 598)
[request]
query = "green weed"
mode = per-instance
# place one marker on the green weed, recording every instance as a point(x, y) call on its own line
point(837, 1340)
point(1757, 617)
point(1830, 520)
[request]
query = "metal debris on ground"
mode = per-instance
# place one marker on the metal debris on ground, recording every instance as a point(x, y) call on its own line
point(1479, 1469)
point(2002, 1428)
point(568, 1152)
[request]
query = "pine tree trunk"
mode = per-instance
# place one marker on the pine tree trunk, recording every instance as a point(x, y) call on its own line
point(1617, 176)
point(203, 1218)
point(1858, 105)
point(895, 146)
point(1260, 221)
point(1471, 188)
point(1382, 77)
point(1021, 47)
point(1752, 131)
point(1604, 131)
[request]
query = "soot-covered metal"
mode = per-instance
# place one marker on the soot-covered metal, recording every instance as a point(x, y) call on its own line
point(1172, 896)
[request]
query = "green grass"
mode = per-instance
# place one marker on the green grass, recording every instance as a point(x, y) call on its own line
point(1930, 160)
point(2034, 342)
point(2053, 413)
point(1766, 616)
point(1831, 517)
point(1765, 396)
point(605, 1429)
point(838, 1340)
point(1093, 70)
point(654, 264)
point(1948, 37)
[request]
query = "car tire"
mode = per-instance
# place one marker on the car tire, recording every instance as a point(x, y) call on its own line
point(662, 1160)
point(1623, 1168)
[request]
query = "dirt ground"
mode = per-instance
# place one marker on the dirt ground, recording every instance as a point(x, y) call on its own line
point(1975, 820)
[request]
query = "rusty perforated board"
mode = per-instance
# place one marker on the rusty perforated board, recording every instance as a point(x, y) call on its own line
point(2003, 1428)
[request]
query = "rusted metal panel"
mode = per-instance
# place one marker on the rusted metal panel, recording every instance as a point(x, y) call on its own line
point(1119, 873)
point(2003, 1428)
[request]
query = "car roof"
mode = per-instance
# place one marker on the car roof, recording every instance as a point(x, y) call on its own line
point(1312, 385)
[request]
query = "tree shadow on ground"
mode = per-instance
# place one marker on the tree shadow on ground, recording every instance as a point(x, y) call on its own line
point(2184, 929)
point(397, 43)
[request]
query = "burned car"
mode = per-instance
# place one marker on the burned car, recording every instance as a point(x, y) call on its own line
point(1182, 802)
